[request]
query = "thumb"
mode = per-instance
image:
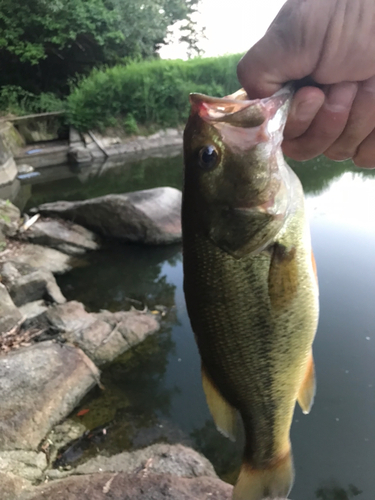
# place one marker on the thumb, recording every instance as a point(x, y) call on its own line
point(290, 50)
point(260, 71)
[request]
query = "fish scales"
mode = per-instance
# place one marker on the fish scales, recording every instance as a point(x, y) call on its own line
point(254, 313)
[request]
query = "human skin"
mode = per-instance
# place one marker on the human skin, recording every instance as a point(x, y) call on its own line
point(333, 43)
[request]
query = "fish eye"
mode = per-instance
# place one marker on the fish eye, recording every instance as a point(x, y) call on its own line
point(208, 157)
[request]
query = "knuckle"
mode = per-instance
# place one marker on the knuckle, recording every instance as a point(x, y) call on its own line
point(339, 154)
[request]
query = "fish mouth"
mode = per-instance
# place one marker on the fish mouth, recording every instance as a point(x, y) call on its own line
point(238, 110)
point(243, 123)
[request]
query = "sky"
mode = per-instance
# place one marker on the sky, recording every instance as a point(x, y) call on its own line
point(232, 26)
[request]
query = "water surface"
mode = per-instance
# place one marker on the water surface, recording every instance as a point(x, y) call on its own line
point(154, 392)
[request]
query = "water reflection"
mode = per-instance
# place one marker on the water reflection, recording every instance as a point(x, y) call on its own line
point(117, 278)
point(334, 492)
point(115, 176)
point(88, 182)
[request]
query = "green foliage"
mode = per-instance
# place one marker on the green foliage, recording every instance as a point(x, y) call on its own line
point(43, 43)
point(30, 29)
point(153, 92)
point(16, 100)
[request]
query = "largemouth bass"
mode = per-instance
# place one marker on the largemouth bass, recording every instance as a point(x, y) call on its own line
point(249, 280)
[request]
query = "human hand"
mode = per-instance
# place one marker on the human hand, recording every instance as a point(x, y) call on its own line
point(333, 42)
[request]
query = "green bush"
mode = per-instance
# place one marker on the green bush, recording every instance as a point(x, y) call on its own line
point(130, 124)
point(151, 92)
point(16, 100)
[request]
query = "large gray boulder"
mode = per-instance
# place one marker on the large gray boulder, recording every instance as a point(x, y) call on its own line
point(152, 216)
point(39, 386)
point(65, 236)
point(141, 486)
point(102, 336)
point(9, 314)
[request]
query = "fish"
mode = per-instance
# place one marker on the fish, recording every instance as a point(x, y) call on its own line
point(250, 280)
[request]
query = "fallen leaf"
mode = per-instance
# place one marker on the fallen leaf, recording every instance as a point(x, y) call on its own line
point(82, 412)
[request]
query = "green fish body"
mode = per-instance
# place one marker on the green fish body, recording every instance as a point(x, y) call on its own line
point(249, 280)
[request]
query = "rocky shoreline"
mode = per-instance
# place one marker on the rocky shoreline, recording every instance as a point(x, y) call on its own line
point(51, 351)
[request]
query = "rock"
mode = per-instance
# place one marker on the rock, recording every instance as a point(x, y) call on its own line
point(70, 317)
point(9, 314)
point(29, 465)
point(151, 216)
point(39, 386)
point(102, 336)
point(9, 218)
point(64, 236)
point(32, 310)
point(39, 257)
point(9, 273)
point(34, 286)
point(141, 486)
point(60, 436)
point(11, 486)
point(3, 241)
point(8, 140)
point(11, 140)
point(176, 460)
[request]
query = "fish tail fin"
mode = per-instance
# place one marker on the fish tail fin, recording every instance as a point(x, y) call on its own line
point(258, 484)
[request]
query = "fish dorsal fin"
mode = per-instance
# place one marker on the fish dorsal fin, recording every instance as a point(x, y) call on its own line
point(307, 390)
point(224, 415)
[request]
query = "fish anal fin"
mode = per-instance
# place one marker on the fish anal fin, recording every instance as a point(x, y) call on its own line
point(273, 481)
point(224, 415)
point(283, 276)
point(307, 389)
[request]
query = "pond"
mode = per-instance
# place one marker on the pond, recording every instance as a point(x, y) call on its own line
point(154, 393)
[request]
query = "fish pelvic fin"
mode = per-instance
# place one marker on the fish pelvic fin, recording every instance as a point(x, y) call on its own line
point(273, 482)
point(224, 415)
point(307, 390)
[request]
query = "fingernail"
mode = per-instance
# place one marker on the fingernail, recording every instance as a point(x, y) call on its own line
point(307, 110)
point(340, 96)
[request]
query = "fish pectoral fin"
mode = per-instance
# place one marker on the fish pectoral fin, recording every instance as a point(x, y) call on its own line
point(307, 390)
point(283, 276)
point(274, 481)
point(224, 415)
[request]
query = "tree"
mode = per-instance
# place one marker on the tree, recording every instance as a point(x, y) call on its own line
point(45, 42)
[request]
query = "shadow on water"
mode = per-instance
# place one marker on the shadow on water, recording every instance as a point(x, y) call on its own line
point(153, 393)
